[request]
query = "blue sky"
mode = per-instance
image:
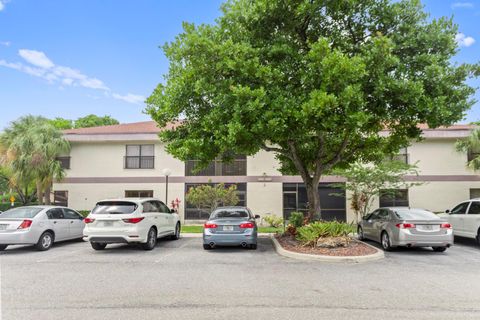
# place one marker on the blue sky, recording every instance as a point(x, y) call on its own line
point(76, 57)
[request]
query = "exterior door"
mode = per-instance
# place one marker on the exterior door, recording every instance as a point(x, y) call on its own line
point(75, 222)
point(152, 212)
point(58, 223)
point(472, 219)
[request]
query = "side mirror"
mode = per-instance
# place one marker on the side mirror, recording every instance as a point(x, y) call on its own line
point(172, 211)
point(447, 211)
point(257, 216)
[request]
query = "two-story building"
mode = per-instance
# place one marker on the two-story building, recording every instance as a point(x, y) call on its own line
point(128, 160)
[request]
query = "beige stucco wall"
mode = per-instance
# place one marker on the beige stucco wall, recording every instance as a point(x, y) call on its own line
point(96, 159)
point(265, 198)
point(438, 157)
point(263, 163)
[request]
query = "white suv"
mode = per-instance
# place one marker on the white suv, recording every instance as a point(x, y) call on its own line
point(130, 220)
point(465, 219)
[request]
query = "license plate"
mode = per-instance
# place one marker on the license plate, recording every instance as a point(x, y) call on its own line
point(108, 223)
point(227, 228)
point(3, 226)
point(428, 227)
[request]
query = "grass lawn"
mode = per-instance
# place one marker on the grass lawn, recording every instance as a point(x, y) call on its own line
point(199, 229)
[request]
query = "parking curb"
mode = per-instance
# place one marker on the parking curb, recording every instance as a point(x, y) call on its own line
point(379, 254)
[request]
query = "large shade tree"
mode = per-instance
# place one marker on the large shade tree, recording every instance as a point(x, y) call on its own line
point(315, 81)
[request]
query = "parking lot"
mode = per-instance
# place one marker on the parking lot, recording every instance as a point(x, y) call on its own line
point(179, 280)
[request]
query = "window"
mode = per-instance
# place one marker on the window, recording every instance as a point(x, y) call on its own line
point(70, 214)
point(229, 213)
point(55, 213)
point(237, 167)
point(139, 194)
point(460, 209)
point(401, 156)
point(383, 214)
point(60, 198)
point(474, 208)
point(474, 193)
point(151, 206)
point(332, 200)
point(64, 162)
point(163, 208)
point(394, 198)
point(114, 207)
point(140, 156)
point(193, 213)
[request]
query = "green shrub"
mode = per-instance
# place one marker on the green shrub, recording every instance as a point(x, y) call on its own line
point(273, 221)
point(309, 234)
point(296, 219)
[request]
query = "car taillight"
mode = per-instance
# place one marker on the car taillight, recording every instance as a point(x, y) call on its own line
point(133, 220)
point(25, 224)
point(210, 225)
point(88, 220)
point(405, 225)
point(446, 226)
point(247, 225)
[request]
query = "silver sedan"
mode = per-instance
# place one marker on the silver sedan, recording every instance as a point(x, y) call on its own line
point(407, 227)
point(40, 226)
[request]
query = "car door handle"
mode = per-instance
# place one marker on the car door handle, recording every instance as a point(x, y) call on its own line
point(71, 221)
point(54, 222)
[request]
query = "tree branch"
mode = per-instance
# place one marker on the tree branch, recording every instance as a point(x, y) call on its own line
point(298, 162)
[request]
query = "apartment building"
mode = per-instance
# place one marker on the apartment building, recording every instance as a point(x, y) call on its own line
point(128, 160)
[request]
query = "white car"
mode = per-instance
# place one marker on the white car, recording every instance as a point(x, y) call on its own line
point(130, 220)
point(465, 219)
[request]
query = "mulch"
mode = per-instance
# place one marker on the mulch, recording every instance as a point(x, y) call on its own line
point(355, 248)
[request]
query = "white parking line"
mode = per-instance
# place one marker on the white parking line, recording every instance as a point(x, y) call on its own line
point(171, 253)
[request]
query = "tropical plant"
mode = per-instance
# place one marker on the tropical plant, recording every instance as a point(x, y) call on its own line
point(366, 181)
point(273, 220)
point(309, 234)
point(471, 145)
point(296, 219)
point(209, 197)
point(318, 83)
point(30, 148)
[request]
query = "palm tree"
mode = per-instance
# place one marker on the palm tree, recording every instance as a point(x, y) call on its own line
point(471, 145)
point(30, 147)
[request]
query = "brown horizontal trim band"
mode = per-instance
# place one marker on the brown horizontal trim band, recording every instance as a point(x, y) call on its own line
point(250, 179)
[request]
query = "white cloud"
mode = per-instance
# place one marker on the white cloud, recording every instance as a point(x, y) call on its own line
point(462, 5)
point(463, 40)
point(130, 98)
point(39, 65)
point(5, 43)
point(2, 6)
point(37, 58)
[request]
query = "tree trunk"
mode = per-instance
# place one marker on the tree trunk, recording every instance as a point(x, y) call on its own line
point(48, 190)
point(39, 193)
point(313, 196)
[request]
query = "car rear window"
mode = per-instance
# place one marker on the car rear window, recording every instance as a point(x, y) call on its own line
point(415, 215)
point(26, 212)
point(114, 207)
point(229, 213)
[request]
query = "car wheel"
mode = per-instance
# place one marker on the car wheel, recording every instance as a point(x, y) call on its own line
point(360, 234)
point(439, 249)
point(151, 240)
point(45, 242)
point(176, 236)
point(3, 247)
point(386, 241)
point(206, 247)
point(253, 246)
point(98, 246)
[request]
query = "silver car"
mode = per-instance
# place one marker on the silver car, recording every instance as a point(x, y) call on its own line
point(407, 227)
point(40, 226)
point(230, 226)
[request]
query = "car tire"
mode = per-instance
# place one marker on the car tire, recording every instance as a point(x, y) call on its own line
point(151, 240)
point(439, 249)
point(253, 246)
point(45, 241)
point(3, 247)
point(361, 237)
point(176, 235)
point(385, 241)
point(206, 247)
point(98, 246)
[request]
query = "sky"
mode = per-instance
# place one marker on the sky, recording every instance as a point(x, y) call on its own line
point(72, 58)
